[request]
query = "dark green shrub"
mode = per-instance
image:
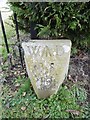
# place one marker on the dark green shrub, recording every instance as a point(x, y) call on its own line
point(56, 20)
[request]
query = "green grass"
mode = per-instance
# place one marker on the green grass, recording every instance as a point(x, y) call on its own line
point(3, 53)
point(55, 106)
point(9, 30)
point(0, 102)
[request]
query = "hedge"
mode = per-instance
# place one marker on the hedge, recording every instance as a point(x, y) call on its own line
point(56, 20)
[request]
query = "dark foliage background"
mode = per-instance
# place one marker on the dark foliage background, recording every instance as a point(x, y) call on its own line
point(56, 20)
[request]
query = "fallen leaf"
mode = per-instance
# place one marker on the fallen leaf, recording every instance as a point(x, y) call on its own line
point(15, 73)
point(24, 93)
point(75, 112)
point(22, 73)
point(18, 72)
point(2, 80)
point(23, 108)
point(69, 77)
point(17, 84)
point(19, 66)
point(7, 105)
point(1, 63)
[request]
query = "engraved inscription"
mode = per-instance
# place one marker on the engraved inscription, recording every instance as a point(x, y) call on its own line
point(46, 51)
point(45, 71)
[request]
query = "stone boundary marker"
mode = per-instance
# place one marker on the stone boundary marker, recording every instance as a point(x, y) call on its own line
point(47, 63)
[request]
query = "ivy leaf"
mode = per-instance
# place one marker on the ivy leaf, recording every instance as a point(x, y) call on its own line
point(44, 31)
point(73, 25)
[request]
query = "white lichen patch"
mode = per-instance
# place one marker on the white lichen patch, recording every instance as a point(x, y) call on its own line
point(38, 84)
point(66, 48)
point(54, 53)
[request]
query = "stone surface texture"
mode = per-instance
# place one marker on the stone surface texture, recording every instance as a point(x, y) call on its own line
point(47, 63)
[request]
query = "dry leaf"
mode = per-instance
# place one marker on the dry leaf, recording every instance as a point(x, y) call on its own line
point(15, 73)
point(7, 105)
point(17, 85)
point(18, 72)
point(22, 73)
point(23, 108)
point(75, 112)
point(24, 93)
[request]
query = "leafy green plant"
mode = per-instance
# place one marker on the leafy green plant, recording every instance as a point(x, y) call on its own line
point(44, 31)
point(56, 20)
point(25, 86)
point(74, 51)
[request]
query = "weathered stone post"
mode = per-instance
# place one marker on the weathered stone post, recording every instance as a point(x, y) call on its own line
point(47, 64)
